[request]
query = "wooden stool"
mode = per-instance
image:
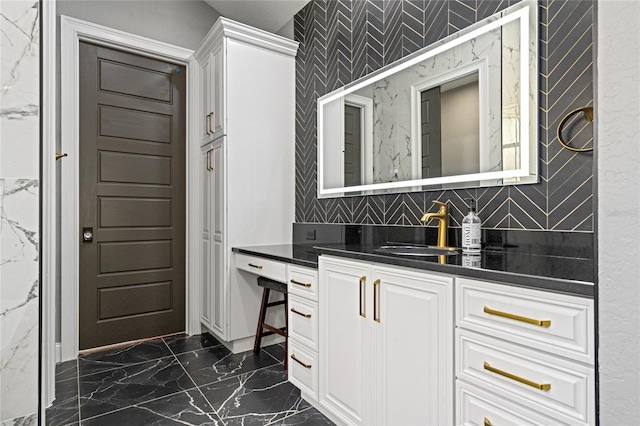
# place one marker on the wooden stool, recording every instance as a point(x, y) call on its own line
point(269, 285)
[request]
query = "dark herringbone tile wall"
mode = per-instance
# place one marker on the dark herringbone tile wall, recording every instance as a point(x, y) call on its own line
point(342, 40)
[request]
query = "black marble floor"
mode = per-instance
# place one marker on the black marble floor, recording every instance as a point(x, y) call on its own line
point(178, 380)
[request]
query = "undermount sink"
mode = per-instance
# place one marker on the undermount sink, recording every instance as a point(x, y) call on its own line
point(417, 250)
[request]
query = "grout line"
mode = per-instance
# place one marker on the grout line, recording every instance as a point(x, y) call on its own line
point(273, 356)
point(78, 388)
point(121, 366)
point(198, 388)
point(291, 415)
point(137, 405)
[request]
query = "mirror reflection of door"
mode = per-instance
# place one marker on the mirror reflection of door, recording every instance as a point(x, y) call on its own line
point(352, 144)
point(431, 133)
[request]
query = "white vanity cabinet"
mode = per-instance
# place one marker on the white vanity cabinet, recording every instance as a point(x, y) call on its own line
point(247, 108)
point(303, 330)
point(386, 344)
point(523, 354)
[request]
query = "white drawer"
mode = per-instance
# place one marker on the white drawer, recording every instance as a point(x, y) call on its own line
point(501, 367)
point(502, 311)
point(261, 266)
point(480, 408)
point(303, 321)
point(303, 282)
point(303, 369)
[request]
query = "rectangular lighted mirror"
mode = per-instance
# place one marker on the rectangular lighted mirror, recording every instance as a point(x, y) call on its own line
point(461, 112)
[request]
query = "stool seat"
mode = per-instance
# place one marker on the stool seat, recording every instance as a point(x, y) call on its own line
point(268, 285)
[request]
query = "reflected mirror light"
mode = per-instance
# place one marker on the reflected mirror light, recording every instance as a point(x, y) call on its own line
point(459, 113)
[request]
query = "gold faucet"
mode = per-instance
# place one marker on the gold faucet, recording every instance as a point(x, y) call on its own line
point(443, 220)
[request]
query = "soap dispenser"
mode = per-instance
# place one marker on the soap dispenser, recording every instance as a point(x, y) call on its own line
point(471, 233)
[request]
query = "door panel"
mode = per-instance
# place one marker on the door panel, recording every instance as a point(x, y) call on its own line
point(431, 133)
point(132, 195)
point(352, 146)
point(344, 315)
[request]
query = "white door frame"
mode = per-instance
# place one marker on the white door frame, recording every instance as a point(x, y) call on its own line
point(72, 31)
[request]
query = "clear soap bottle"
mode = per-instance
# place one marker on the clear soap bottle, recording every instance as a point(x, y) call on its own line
point(471, 232)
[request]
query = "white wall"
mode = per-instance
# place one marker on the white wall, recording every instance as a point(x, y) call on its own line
point(180, 22)
point(618, 233)
point(460, 124)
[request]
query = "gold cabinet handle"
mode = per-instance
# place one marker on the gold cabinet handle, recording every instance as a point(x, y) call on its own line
point(300, 313)
point(59, 156)
point(376, 301)
point(255, 266)
point(293, 357)
point(540, 323)
point(541, 386)
point(207, 124)
point(487, 422)
point(209, 168)
point(210, 120)
point(299, 283)
point(363, 304)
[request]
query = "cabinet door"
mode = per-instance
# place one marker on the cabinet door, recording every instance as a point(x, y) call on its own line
point(218, 293)
point(217, 92)
point(413, 320)
point(206, 84)
point(345, 375)
point(205, 226)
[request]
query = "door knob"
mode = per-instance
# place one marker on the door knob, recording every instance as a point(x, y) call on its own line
point(87, 235)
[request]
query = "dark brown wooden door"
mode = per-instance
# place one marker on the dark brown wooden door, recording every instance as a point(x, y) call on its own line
point(352, 149)
point(132, 196)
point(431, 133)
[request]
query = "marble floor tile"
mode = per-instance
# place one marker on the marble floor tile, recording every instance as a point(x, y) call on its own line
point(121, 387)
point(308, 417)
point(256, 398)
point(183, 343)
point(119, 357)
point(218, 363)
point(67, 370)
point(276, 351)
point(65, 408)
point(185, 408)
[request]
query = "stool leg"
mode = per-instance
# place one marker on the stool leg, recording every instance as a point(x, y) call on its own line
point(261, 316)
point(286, 330)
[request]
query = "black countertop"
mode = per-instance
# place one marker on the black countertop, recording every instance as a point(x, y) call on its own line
point(571, 275)
point(297, 254)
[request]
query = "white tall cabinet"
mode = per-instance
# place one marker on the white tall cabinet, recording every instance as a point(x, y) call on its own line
point(386, 344)
point(247, 120)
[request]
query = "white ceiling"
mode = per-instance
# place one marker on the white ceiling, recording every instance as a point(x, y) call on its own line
point(269, 15)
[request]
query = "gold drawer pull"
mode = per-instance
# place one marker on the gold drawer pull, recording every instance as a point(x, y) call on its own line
point(540, 323)
point(376, 301)
point(363, 289)
point(543, 386)
point(302, 284)
point(487, 422)
point(300, 313)
point(293, 357)
point(255, 266)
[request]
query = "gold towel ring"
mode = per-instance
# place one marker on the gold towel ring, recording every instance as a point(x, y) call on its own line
point(588, 115)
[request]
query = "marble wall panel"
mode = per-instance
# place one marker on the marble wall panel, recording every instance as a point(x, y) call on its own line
point(19, 211)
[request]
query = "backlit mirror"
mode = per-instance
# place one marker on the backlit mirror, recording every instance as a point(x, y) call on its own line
point(459, 113)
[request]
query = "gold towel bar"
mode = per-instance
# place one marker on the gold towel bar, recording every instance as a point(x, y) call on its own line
point(588, 115)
